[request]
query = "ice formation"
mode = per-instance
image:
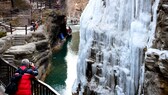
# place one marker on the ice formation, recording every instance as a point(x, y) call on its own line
point(113, 34)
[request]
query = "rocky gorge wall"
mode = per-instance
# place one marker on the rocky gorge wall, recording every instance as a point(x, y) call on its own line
point(156, 62)
point(34, 46)
point(75, 8)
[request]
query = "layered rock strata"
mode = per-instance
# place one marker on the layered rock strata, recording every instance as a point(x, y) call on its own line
point(34, 47)
point(156, 62)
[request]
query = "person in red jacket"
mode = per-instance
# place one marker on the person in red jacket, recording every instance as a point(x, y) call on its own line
point(27, 71)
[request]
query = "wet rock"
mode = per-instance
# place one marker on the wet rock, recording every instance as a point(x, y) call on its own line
point(42, 45)
point(156, 74)
point(155, 84)
point(163, 66)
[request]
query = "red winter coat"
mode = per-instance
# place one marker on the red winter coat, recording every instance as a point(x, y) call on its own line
point(24, 84)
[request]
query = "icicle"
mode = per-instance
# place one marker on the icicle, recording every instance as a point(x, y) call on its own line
point(115, 36)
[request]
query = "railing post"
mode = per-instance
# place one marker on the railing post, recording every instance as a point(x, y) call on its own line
point(26, 29)
point(49, 2)
point(37, 5)
point(10, 28)
point(41, 4)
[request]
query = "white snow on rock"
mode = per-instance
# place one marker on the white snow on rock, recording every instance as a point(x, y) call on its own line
point(162, 54)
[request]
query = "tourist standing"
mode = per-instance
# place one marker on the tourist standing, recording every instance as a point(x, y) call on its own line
point(28, 72)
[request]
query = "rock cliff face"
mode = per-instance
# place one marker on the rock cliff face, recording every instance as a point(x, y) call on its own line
point(56, 26)
point(75, 7)
point(33, 46)
point(156, 63)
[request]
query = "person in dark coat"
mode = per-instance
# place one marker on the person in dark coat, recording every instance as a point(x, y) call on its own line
point(28, 71)
point(34, 26)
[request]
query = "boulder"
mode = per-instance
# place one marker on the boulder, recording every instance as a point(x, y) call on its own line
point(22, 49)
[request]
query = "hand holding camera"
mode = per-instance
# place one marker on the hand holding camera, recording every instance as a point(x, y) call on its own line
point(32, 64)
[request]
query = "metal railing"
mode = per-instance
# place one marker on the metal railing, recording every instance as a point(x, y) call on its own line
point(38, 87)
point(6, 72)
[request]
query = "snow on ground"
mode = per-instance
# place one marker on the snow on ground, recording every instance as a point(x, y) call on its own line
point(21, 30)
point(75, 28)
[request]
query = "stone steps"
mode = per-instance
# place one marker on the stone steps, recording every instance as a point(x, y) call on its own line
point(19, 40)
point(9, 58)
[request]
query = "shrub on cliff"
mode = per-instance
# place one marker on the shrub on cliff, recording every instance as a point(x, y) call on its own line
point(2, 34)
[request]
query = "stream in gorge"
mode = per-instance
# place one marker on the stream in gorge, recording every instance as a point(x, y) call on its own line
point(63, 69)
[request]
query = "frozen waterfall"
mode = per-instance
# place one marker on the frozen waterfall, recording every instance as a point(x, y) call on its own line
point(113, 36)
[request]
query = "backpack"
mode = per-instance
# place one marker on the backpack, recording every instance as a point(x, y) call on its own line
point(12, 87)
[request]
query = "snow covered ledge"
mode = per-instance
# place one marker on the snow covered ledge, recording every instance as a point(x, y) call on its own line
point(157, 59)
point(156, 72)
